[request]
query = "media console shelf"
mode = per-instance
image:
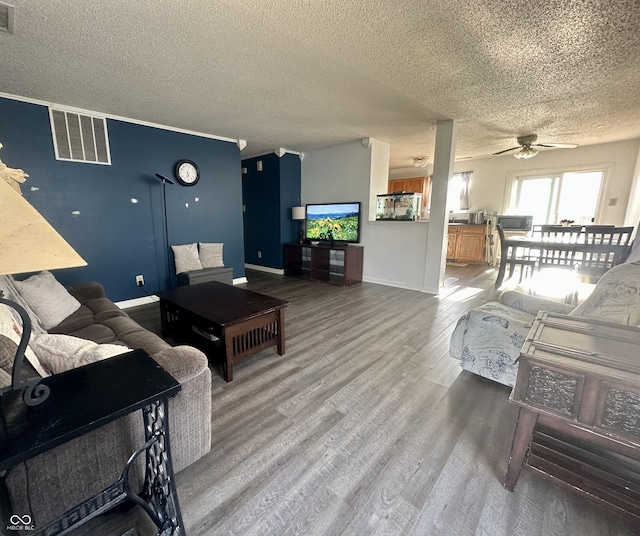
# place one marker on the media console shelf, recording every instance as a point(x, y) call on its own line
point(340, 265)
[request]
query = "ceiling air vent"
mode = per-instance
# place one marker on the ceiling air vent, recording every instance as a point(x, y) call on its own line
point(6, 17)
point(79, 138)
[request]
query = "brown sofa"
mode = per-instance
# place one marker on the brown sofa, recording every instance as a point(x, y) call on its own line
point(51, 483)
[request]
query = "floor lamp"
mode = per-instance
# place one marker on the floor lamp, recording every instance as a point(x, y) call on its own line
point(164, 181)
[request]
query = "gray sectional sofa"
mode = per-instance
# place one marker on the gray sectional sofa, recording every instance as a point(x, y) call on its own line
point(51, 483)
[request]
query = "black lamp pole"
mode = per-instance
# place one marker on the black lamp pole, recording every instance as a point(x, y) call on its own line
point(166, 228)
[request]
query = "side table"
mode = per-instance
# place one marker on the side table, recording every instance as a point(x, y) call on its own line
point(87, 398)
point(578, 388)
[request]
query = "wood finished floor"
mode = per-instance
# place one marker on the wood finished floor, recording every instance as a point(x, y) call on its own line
point(366, 426)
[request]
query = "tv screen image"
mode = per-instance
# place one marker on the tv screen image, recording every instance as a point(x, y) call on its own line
point(333, 222)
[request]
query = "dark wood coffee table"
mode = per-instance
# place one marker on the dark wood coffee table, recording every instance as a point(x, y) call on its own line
point(245, 322)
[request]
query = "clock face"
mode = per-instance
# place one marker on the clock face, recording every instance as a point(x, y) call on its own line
point(187, 172)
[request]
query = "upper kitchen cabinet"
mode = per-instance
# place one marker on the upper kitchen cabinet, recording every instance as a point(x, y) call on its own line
point(418, 185)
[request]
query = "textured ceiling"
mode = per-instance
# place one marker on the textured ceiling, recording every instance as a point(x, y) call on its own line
point(304, 75)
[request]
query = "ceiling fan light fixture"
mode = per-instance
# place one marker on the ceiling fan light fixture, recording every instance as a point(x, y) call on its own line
point(420, 161)
point(525, 153)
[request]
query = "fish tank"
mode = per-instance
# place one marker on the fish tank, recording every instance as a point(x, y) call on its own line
point(400, 206)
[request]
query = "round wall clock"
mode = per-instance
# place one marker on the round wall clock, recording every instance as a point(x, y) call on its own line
point(186, 172)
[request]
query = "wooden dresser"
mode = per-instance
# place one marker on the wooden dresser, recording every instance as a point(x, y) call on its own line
point(578, 388)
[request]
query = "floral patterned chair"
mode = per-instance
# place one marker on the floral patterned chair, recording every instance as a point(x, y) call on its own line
point(487, 340)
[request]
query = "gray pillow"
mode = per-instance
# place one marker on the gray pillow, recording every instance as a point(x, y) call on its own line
point(48, 298)
point(8, 350)
point(186, 257)
point(5, 381)
point(211, 255)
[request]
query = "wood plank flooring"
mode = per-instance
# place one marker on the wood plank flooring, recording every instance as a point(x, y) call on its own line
point(367, 426)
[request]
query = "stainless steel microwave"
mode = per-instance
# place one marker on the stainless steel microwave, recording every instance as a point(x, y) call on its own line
point(515, 222)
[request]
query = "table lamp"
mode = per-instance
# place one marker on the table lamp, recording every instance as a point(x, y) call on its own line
point(299, 213)
point(28, 244)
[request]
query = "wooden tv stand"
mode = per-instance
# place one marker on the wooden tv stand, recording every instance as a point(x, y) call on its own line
point(339, 265)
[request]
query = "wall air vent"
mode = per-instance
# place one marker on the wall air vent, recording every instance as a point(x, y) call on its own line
point(6, 17)
point(79, 137)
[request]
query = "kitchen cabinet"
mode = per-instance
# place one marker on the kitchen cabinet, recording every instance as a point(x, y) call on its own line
point(466, 243)
point(418, 185)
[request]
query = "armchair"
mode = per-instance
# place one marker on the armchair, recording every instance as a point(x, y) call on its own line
point(487, 340)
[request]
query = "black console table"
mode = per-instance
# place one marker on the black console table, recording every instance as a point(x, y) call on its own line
point(87, 398)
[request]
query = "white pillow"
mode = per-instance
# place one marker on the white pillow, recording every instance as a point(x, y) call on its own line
point(58, 353)
point(12, 329)
point(211, 255)
point(48, 298)
point(186, 257)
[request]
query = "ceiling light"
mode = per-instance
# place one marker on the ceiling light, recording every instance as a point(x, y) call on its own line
point(525, 153)
point(420, 161)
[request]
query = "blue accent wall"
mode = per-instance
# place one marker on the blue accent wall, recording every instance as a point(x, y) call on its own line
point(118, 237)
point(268, 196)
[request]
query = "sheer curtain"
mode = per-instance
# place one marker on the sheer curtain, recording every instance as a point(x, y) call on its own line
point(464, 190)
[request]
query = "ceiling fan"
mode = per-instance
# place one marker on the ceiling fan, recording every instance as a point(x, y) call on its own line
point(526, 146)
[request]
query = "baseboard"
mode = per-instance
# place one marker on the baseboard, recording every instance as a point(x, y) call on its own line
point(144, 300)
point(277, 271)
point(388, 283)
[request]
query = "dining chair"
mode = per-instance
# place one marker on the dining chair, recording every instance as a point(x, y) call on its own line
point(516, 256)
point(605, 247)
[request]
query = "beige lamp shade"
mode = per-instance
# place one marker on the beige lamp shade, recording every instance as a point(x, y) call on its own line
point(298, 213)
point(27, 242)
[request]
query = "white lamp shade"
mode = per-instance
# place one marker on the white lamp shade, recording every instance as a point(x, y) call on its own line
point(298, 213)
point(28, 242)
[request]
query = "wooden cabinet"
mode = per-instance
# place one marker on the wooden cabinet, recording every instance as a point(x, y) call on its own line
point(418, 185)
point(578, 389)
point(466, 243)
point(331, 264)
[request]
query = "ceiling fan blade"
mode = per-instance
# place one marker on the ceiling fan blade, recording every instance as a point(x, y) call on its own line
point(507, 150)
point(556, 145)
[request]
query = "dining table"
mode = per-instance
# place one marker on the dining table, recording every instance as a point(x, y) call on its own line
point(590, 257)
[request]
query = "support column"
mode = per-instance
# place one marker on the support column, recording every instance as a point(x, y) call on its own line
point(443, 160)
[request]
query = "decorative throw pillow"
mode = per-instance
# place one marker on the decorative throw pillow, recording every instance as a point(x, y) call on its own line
point(211, 255)
point(5, 381)
point(48, 298)
point(10, 292)
point(186, 257)
point(58, 353)
point(12, 329)
point(7, 353)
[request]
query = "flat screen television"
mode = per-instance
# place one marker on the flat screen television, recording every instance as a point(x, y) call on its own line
point(333, 222)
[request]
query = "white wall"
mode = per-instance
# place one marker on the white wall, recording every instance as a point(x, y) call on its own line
point(632, 216)
point(489, 179)
point(394, 252)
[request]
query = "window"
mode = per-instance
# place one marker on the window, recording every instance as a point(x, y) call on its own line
point(550, 198)
point(458, 192)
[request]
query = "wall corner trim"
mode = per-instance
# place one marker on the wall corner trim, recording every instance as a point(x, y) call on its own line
point(366, 142)
point(241, 144)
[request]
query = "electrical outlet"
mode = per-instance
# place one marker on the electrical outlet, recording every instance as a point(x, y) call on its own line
point(259, 254)
point(140, 280)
